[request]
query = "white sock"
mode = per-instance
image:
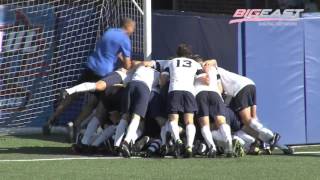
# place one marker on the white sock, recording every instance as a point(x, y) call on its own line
point(132, 129)
point(225, 132)
point(248, 140)
point(104, 135)
point(190, 132)
point(174, 129)
point(163, 133)
point(84, 87)
point(264, 134)
point(136, 136)
point(91, 129)
point(121, 128)
point(206, 134)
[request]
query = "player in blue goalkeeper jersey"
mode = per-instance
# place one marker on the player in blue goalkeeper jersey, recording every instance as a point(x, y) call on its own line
point(114, 46)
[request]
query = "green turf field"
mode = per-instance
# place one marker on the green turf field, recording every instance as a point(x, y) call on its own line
point(300, 166)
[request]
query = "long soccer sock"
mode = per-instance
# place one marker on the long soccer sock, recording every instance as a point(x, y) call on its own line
point(105, 134)
point(84, 87)
point(225, 132)
point(163, 133)
point(246, 138)
point(218, 139)
point(174, 129)
point(154, 145)
point(205, 131)
point(264, 134)
point(132, 129)
point(91, 129)
point(121, 128)
point(190, 132)
point(136, 136)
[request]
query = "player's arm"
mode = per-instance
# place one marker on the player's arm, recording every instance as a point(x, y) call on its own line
point(143, 63)
point(125, 55)
point(202, 76)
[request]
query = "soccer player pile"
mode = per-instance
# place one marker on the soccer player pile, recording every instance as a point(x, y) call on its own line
point(157, 107)
point(182, 107)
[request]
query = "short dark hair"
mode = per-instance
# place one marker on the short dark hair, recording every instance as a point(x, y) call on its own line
point(184, 50)
point(126, 21)
point(197, 58)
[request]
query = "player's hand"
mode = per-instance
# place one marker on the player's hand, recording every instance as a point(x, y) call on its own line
point(205, 79)
point(210, 62)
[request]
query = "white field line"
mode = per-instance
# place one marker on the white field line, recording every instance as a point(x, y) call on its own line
point(305, 146)
point(57, 159)
point(308, 152)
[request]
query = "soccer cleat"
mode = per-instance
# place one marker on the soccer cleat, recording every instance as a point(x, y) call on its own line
point(116, 151)
point(125, 150)
point(188, 152)
point(229, 154)
point(148, 154)
point(178, 146)
point(275, 139)
point(200, 148)
point(288, 151)
point(212, 153)
point(238, 148)
point(139, 145)
point(163, 150)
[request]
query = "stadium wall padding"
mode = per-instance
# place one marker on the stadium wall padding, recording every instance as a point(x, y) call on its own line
point(312, 77)
point(284, 62)
point(209, 35)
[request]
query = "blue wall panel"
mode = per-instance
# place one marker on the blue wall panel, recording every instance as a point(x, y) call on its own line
point(274, 59)
point(312, 66)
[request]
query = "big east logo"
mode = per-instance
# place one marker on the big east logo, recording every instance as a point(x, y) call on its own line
point(22, 49)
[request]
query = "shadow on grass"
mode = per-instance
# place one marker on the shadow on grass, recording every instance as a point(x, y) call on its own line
point(38, 150)
point(60, 138)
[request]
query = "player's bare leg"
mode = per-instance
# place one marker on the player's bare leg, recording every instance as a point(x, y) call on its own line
point(206, 134)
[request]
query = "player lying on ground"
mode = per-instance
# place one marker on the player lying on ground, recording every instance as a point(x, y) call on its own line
point(114, 44)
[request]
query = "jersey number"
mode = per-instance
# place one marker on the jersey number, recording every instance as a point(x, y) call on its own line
point(185, 63)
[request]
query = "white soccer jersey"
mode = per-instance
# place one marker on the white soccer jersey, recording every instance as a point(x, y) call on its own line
point(150, 76)
point(182, 72)
point(232, 83)
point(213, 83)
